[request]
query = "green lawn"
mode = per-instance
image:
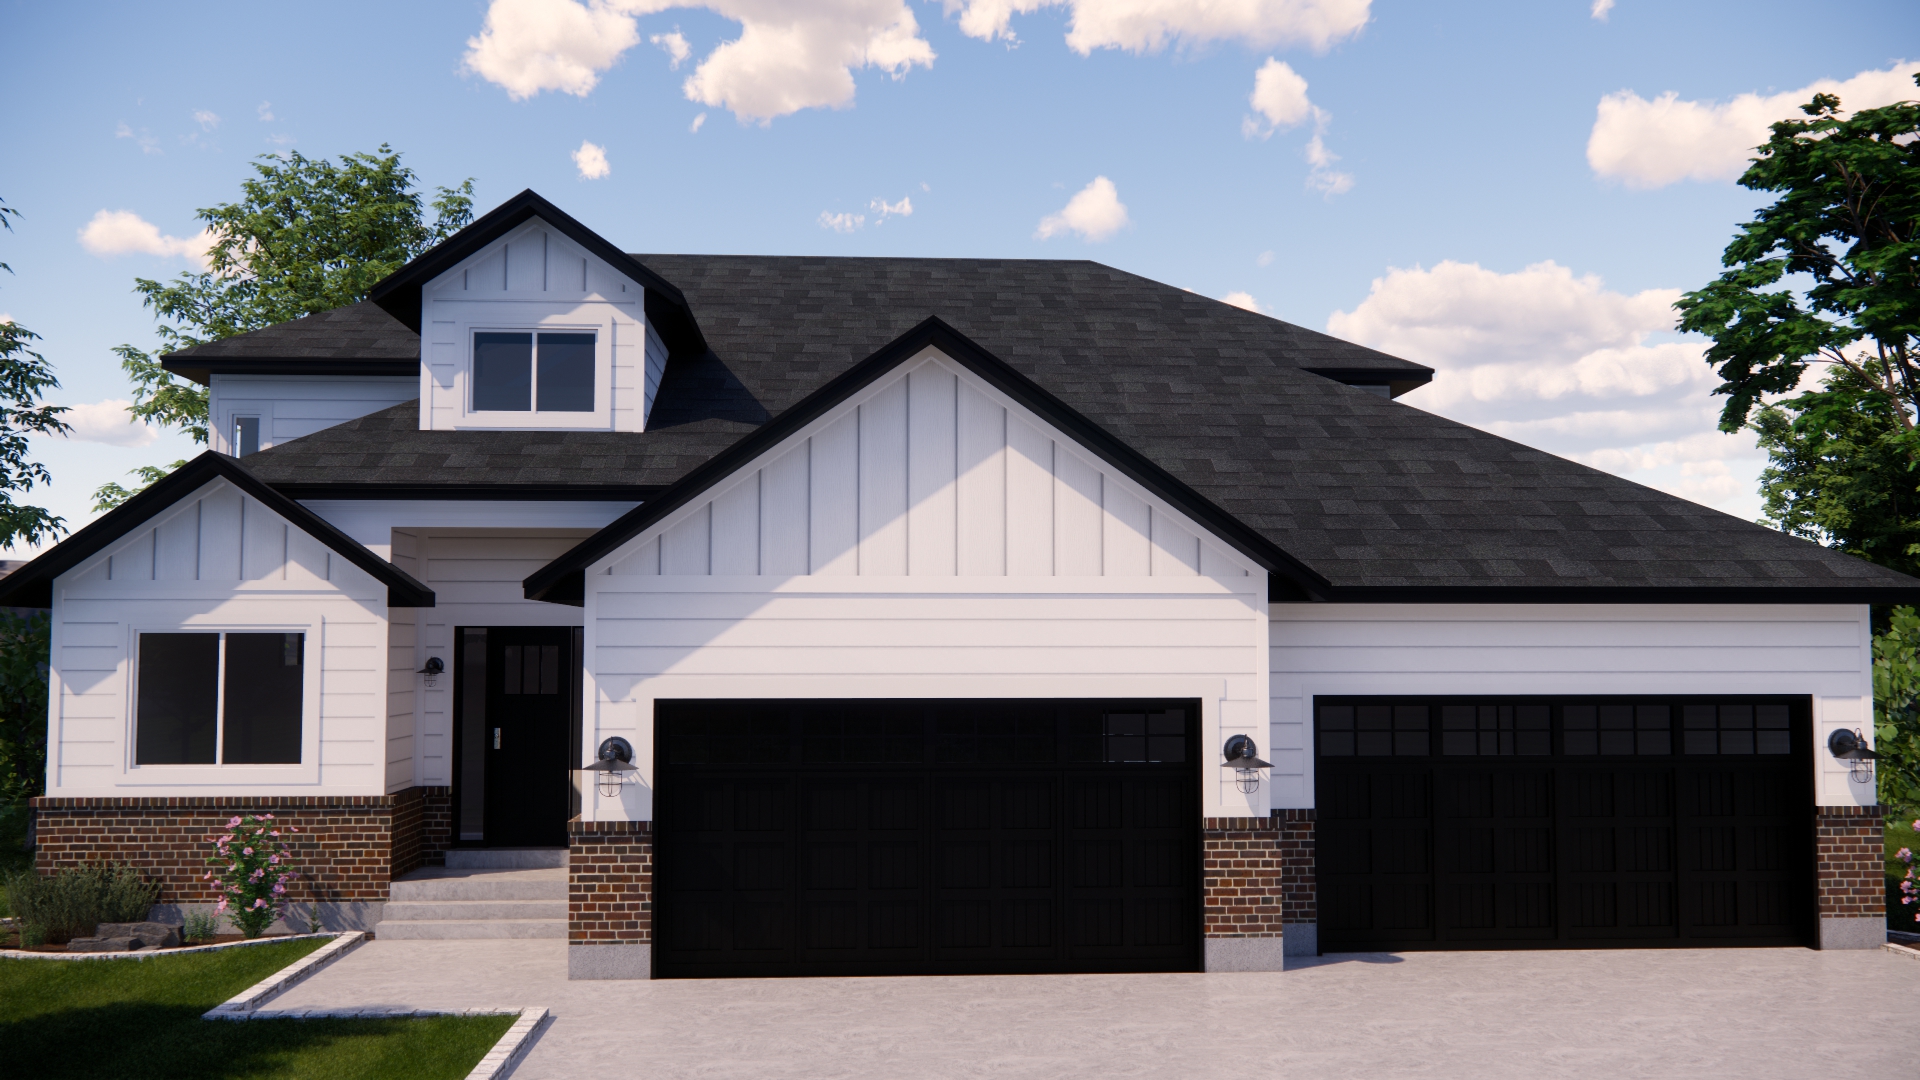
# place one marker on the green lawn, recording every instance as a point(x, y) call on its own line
point(135, 1019)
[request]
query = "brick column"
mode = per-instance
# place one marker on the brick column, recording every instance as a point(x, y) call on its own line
point(1243, 887)
point(609, 899)
point(1853, 887)
point(1299, 897)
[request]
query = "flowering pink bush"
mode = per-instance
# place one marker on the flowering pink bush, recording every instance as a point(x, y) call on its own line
point(1909, 886)
point(250, 862)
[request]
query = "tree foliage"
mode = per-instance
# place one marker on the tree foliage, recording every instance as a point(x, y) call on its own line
point(1896, 709)
point(24, 650)
point(307, 235)
point(25, 377)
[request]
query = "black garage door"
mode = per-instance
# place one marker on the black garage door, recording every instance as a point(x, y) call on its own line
point(925, 837)
point(1463, 823)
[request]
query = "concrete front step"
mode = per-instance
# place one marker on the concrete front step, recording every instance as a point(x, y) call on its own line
point(506, 858)
point(417, 910)
point(449, 929)
point(435, 883)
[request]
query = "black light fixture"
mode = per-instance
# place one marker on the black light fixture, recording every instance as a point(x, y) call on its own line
point(432, 668)
point(611, 765)
point(1851, 747)
point(1243, 757)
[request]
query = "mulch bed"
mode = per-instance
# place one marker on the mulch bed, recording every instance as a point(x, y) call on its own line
point(10, 939)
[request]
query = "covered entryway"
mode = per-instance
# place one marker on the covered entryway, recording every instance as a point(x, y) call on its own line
point(517, 699)
point(1479, 823)
point(882, 837)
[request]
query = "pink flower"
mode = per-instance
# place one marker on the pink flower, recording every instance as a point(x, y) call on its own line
point(246, 851)
point(258, 904)
point(232, 822)
point(267, 817)
point(278, 889)
point(1904, 854)
point(223, 904)
point(275, 832)
point(275, 859)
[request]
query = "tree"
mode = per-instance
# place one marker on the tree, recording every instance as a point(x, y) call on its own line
point(307, 235)
point(24, 650)
point(25, 377)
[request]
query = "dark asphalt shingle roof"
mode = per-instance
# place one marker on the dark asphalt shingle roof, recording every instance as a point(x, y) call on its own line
point(1369, 493)
point(356, 332)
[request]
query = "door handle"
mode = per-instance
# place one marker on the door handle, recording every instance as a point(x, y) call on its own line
point(496, 738)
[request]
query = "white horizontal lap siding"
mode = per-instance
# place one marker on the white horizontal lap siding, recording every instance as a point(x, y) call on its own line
point(1497, 649)
point(475, 574)
point(403, 635)
point(532, 278)
point(928, 538)
point(217, 560)
point(290, 407)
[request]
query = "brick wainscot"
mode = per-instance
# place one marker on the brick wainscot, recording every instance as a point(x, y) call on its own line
point(1258, 890)
point(349, 848)
point(1853, 888)
point(609, 899)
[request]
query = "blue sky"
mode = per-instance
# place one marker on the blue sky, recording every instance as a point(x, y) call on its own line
point(1502, 190)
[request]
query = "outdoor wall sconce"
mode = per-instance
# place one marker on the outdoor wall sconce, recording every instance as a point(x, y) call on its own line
point(1851, 747)
point(611, 766)
point(432, 668)
point(1243, 757)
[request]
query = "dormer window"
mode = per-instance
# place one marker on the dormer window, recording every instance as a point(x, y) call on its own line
point(527, 371)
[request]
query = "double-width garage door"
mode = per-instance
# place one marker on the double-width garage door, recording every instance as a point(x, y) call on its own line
point(1576, 823)
point(925, 837)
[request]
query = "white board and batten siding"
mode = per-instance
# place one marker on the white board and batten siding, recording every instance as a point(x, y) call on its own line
point(1498, 649)
point(289, 407)
point(216, 561)
point(535, 279)
point(927, 538)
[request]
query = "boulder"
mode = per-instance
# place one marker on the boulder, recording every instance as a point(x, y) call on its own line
point(100, 944)
point(122, 936)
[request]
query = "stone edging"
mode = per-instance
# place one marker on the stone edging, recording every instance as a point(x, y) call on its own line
point(1902, 950)
point(497, 1063)
point(148, 954)
point(247, 1001)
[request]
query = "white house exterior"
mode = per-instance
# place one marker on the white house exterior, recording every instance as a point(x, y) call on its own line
point(926, 599)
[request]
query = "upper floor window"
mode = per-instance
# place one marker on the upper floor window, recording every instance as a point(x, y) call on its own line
point(532, 372)
point(219, 699)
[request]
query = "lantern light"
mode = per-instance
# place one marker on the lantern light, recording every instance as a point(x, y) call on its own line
point(1243, 757)
point(611, 766)
point(1851, 747)
point(431, 669)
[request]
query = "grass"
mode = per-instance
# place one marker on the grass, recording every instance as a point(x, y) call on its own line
point(1900, 834)
point(131, 1020)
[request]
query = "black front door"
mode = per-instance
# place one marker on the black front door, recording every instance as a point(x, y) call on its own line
point(526, 733)
point(926, 837)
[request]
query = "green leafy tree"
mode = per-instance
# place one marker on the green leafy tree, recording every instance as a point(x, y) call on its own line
point(24, 649)
point(25, 377)
point(308, 235)
point(1896, 709)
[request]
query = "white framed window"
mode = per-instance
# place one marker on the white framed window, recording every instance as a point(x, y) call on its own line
point(246, 435)
point(220, 698)
point(534, 371)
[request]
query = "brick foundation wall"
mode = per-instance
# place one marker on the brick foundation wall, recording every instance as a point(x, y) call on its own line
point(1852, 861)
point(345, 851)
point(1299, 898)
point(610, 882)
point(1243, 878)
point(422, 828)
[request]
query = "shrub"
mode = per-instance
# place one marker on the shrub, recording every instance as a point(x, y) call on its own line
point(72, 902)
point(250, 862)
point(200, 926)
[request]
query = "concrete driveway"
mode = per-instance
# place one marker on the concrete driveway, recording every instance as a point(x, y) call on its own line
point(1745, 1013)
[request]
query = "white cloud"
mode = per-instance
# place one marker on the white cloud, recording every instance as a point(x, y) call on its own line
point(108, 422)
point(1324, 178)
point(591, 160)
point(1265, 259)
point(1243, 300)
point(883, 209)
point(123, 232)
point(206, 119)
point(1150, 25)
point(264, 111)
point(1565, 364)
point(1650, 144)
point(1279, 95)
point(1095, 212)
point(694, 128)
point(790, 55)
point(675, 46)
point(1601, 8)
point(842, 223)
point(144, 140)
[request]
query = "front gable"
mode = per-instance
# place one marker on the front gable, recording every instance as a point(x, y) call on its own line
point(928, 472)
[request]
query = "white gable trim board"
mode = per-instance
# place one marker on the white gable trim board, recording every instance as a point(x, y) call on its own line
point(534, 278)
point(217, 560)
point(928, 537)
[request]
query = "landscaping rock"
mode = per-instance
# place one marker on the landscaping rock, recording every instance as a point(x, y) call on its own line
point(124, 936)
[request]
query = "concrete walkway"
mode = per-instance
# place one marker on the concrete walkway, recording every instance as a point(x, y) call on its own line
point(1693, 1013)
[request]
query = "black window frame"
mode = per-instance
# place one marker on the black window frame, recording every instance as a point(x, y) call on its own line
point(220, 735)
point(534, 374)
point(1623, 716)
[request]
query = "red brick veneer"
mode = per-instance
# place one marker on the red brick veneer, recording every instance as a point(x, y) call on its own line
point(609, 882)
point(349, 848)
point(1243, 880)
point(1299, 898)
point(1852, 861)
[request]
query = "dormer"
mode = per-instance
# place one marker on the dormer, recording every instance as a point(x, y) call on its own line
point(529, 321)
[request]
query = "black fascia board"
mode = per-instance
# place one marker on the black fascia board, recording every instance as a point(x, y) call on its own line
point(1410, 376)
point(32, 585)
point(201, 369)
point(562, 581)
point(1616, 594)
point(621, 493)
point(399, 292)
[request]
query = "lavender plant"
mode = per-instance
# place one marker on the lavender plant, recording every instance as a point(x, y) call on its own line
point(251, 864)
